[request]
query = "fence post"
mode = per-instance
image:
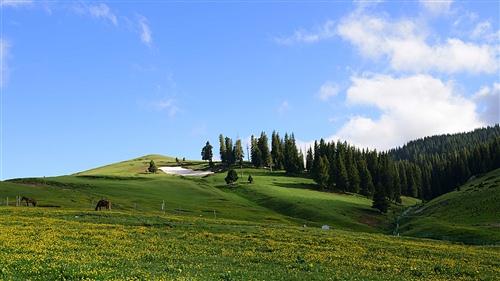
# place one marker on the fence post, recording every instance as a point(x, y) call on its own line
point(215, 214)
point(163, 206)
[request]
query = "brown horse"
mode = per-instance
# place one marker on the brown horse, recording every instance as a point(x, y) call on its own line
point(103, 203)
point(29, 201)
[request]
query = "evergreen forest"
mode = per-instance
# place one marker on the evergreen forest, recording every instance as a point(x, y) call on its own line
point(424, 168)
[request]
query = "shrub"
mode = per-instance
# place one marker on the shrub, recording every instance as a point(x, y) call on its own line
point(232, 177)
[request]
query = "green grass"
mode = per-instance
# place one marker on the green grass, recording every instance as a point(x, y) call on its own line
point(470, 215)
point(255, 234)
point(74, 244)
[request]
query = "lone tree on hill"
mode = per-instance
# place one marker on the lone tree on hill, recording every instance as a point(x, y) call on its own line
point(152, 167)
point(206, 152)
point(232, 176)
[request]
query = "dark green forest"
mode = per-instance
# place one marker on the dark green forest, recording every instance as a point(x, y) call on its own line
point(424, 168)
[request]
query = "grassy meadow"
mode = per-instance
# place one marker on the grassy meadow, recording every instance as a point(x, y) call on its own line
point(168, 227)
point(64, 244)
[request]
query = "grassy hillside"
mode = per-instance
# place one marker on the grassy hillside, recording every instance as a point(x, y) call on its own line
point(470, 215)
point(273, 197)
point(255, 234)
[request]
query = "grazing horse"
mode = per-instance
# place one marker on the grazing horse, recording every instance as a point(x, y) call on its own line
point(103, 203)
point(29, 201)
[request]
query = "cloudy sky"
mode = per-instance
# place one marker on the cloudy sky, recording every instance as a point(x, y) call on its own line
point(88, 83)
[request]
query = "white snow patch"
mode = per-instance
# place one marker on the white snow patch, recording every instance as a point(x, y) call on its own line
point(184, 172)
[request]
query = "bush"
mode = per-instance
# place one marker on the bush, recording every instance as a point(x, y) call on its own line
point(232, 177)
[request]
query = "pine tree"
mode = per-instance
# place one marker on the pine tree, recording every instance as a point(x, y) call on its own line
point(238, 153)
point(342, 178)
point(255, 152)
point(263, 144)
point(222, 149)
point(309, 161)
point(229, 151)
point(380, 201)
point(322, 174)
point(206, 152)
point(152, 167)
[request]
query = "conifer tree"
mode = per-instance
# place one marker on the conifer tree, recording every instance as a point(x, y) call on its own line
point(238, 153)
point(232, 176)
point(380, 201)
point(152, 167)
point(322, 175)
point(222, 149)
point(206, 152)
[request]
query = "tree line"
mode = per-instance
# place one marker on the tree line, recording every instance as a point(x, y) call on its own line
point(424, 168)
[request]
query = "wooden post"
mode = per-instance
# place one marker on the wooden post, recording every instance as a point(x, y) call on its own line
point(215, 214)
point(163, 206)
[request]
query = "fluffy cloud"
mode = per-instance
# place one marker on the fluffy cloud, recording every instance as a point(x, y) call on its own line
point(405, 46)
point(304, 36)
point(411, 107)
point(488, 101)
point(329, 89)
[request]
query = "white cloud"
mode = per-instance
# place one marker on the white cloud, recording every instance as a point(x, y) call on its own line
point(437, 7)
point(404, 44)
point(488, 101)
point(285, 106)
point(484, 31)
point(103, 11)
point(329, 89)
point(4, 55)
point(16, 3)
point(411, 107)
point(304, 36)
point(168, 105)
point(145, 31)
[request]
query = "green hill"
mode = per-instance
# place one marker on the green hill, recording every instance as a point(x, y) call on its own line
point(470, 215)
point(273, 197)
point(208, 230)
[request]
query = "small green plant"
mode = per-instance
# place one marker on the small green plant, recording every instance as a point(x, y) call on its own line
point(232, 176)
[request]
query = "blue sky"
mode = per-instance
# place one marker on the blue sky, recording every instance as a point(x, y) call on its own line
point(89, 83)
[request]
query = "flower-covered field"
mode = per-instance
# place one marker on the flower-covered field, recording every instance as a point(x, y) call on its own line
point(52, 244)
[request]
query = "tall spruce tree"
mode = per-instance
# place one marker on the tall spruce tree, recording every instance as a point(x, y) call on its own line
point(322, 175)
point(222, 149)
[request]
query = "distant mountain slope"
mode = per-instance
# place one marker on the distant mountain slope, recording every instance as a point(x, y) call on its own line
point(470, 215)
point(444, 144)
